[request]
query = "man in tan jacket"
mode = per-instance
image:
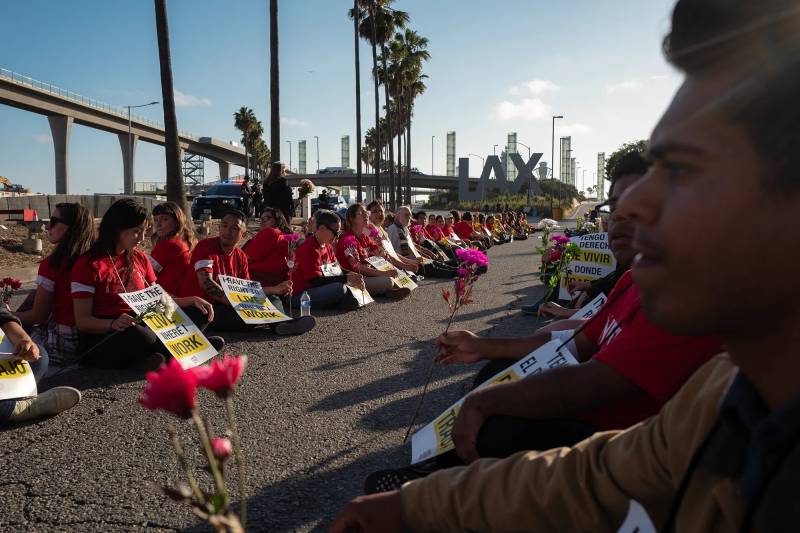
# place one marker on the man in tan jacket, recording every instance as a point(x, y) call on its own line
point(723, 454)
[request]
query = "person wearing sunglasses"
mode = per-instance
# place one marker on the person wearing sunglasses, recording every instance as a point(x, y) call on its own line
point(268, 251)
point(318, 272)
point(71, 230)
point(377, 216)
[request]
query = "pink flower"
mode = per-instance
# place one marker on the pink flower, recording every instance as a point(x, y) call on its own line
point(221, 447)
point(559, 239)
point(416, 228)
point(463, 272)
point(373, 233)
point(170, 389)
point(221, 377)
point(291, 238)
point(472, 257)
point(460, 287)
point(11, 282)
point(446, 295)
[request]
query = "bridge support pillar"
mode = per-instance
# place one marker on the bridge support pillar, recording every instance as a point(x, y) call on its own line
point(128, 161)
point(61, 128)
point(224, 170)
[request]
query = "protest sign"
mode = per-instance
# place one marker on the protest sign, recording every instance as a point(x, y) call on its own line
point(591, 308)
point(361, 295)
point(594, 262)
point(184, 340)
point(436, 437)
point(401, 280)
point(248, 299)
point(331, 269)
point(16, 377)
point(637, 521)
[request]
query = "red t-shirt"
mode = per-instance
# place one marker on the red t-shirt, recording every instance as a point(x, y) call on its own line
point(312, 259)
point(267, 253)
point(654, 360)
point(170, 260)
point(57, 281)
point(435, 232)
point(464, 229)
point(209, 257)
point(101, 277)
point(364, 247)
point(448, 231)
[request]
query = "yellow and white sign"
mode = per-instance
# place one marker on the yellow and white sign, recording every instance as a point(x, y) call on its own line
point(361, 295)
point(248, 298)
point(401, 280)
point(590, 309)
point(436, 437)
point(594, 262)
point(16, 377)
point(184, 340)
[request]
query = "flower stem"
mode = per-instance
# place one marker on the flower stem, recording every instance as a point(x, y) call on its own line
point(176, 443)
point(237, 450)
point(219, 481)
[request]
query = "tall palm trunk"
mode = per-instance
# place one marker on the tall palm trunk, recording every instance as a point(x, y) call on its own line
point(176, 189)
point(359, 185)
point(377, 163)
point(274, 90)
point(399, 154)
point(408, 154)
point(392, 196)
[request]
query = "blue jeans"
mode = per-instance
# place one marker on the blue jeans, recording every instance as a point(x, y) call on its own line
point(323, 297)
point(39, 370)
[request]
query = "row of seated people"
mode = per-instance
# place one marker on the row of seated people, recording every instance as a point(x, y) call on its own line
point(76, 315)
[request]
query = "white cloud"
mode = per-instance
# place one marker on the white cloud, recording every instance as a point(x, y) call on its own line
point(289, 121)
point(528, 109)
point(535, 87)
point(188, 100)
point(44, 138)
point(660, 77)
point(574, 129)
point(633, 84)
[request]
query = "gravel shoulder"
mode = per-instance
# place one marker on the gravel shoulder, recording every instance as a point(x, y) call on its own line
point(317, 414)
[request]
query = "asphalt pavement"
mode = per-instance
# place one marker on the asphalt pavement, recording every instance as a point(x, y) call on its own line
point(317, 414)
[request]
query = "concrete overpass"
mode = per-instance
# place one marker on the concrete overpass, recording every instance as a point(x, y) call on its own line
point(419, 181)
point(63, 108)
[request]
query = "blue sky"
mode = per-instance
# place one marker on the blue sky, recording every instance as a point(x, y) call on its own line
point(495, 67)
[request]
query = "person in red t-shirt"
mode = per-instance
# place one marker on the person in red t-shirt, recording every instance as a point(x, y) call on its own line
point(268, 251)
point(221, 256)
point(174, 241)
point(71, 229)
point(466, 232)
point(353, 248)
point(318, 272)
point(109, 336)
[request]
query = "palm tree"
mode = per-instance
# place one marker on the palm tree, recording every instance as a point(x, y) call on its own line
point(244, 120)
point(176, 189)
point(356, 16)
point(274, 89)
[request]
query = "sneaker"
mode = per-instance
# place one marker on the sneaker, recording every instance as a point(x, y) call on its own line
point(389, 480)
point(398, 294)
point(50, 402)
point(217, 342)
point(150, 362)
point(297, 326)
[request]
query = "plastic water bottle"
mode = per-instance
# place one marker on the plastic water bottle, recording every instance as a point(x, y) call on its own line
point(305, 304)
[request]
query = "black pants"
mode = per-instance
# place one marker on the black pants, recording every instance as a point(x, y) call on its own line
point(119, 350)
point(437, 269)
point(227, 319)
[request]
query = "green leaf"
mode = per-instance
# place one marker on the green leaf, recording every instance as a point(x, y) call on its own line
point(219, 502)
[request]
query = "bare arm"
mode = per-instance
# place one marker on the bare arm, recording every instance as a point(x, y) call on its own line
point(86, 321)
point(466, 347)
point(42, 307)
point(212, 289)
point(24, 347)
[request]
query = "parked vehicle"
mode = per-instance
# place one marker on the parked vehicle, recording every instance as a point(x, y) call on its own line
point(337, 170)
point(218, 199)
point(335, 203)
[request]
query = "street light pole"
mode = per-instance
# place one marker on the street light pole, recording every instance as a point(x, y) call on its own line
point(432, 137)
point(530, 180)
point(317, 139)
point(480, 183)
point(553, 158)
point(494, 150)
point(290, 155)
point(130, 145)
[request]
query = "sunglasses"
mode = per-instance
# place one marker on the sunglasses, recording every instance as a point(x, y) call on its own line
point(55, 221)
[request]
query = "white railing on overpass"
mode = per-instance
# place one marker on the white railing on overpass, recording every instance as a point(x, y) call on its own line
point(54, 90)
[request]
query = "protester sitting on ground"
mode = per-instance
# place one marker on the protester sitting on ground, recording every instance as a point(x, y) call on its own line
point(47, 403)
point(627, 170)
point(399, 235)
point(388, 220)
point(174, 241)
point(110, 336)
point(722, 455)
point(220, 255)
point(496, 232)
point(433, 229)
point(450, 235)
point(318, 272)
point(376, 218)
point(268, 251)
point(71, 229)
point(467, 233)
point(353, 248)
